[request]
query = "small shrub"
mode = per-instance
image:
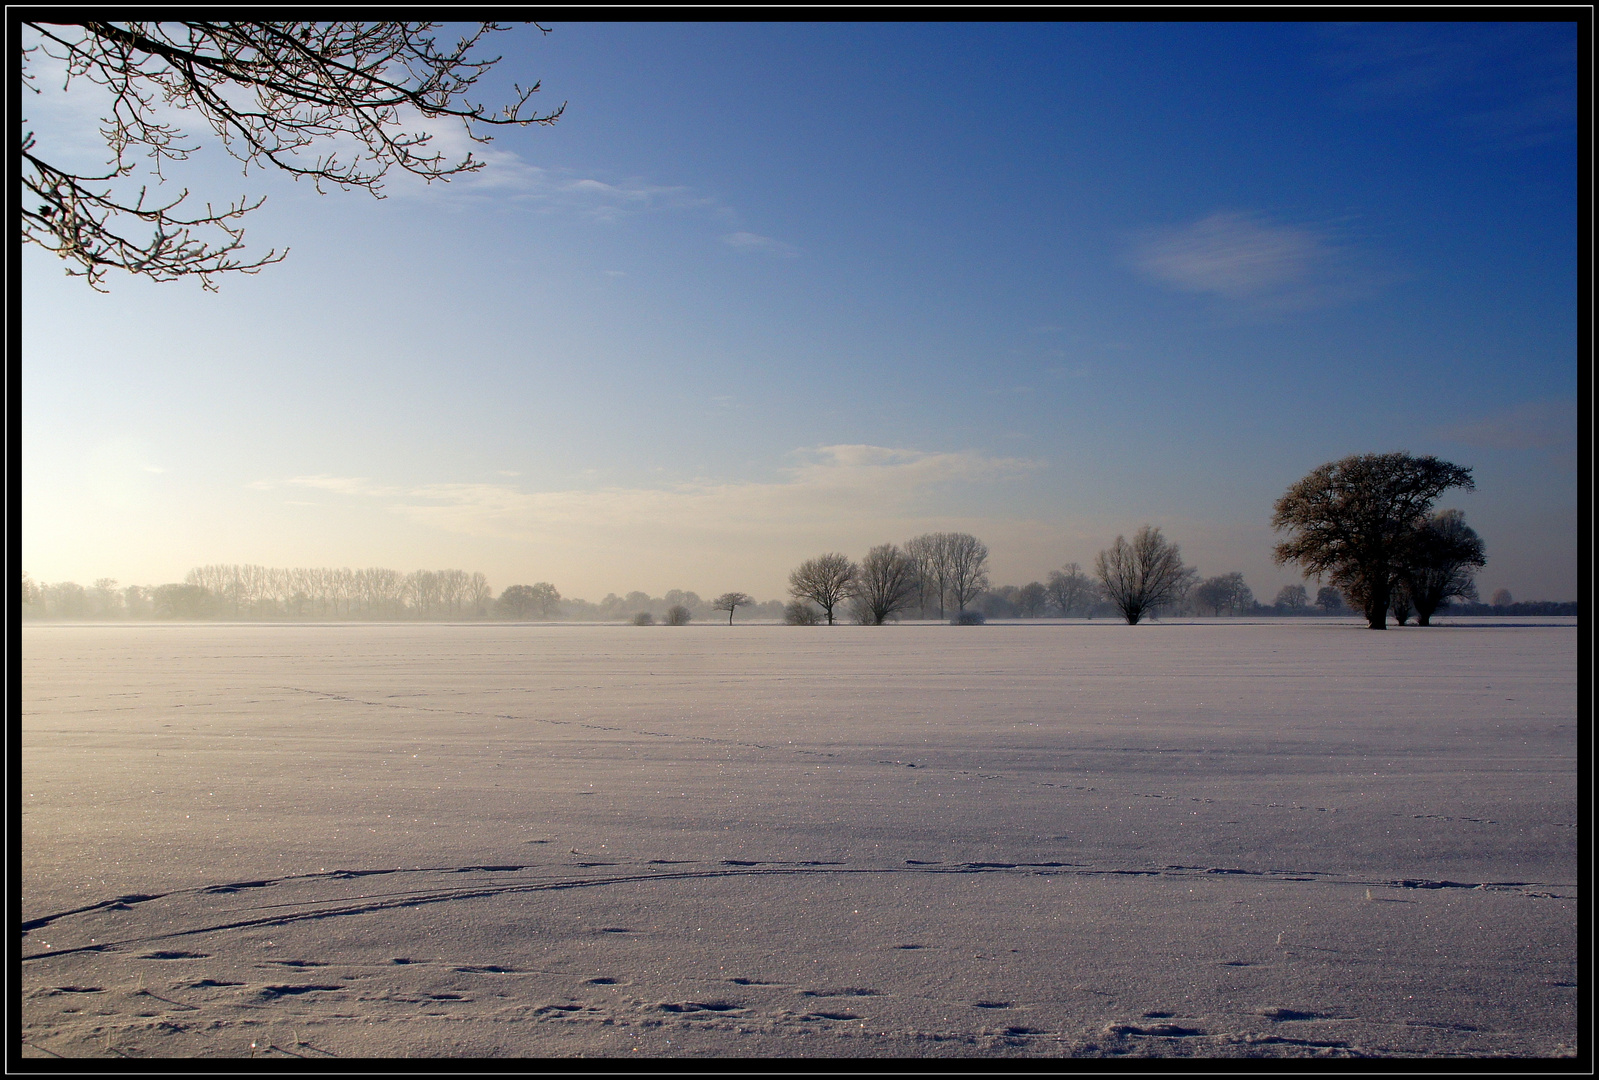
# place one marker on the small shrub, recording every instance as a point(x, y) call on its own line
point(678, 615)
point(799, 613)
point(968, 618)
point(644, 618)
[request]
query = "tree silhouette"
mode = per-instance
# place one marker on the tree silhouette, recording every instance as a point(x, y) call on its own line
point(1143, 575)
point(1031, 598)
point(1225, 592)
point(729, 601)
point(1070, 589)
point(1353, 520)
point(526, 601)
point(885, 585)
point(826, 579)
point(968, 568)
point(1444, 555)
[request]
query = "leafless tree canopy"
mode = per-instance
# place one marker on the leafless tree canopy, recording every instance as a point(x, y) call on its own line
point(1224, 594)
point(1070, 590)
point(826, 580)
point(885, 585)
point(1143, 575)
point(730, 601)
point(1031, 600)
point(1441, 563)
point(968, 568)
point(926, 554)
point(528, 601)
point(1353, 519)
point(283, 94)
point(1292, 598)
point(801, 613)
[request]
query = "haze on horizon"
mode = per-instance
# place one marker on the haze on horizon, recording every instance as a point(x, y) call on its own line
point(771, 290)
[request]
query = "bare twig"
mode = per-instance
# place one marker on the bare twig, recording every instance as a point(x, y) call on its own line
point(274, 94)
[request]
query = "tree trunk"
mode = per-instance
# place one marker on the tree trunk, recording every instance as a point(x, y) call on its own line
point(1376, 615)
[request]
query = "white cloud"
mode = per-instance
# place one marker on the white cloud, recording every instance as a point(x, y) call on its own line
point(1233, 256)
point(748, 241)
point(829, 487)
point(506, 175)
point(341, 485)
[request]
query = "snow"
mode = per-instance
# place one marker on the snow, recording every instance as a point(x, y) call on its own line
point(1208, 837)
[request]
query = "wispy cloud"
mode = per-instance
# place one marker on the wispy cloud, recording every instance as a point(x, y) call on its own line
point(342, 485)
point(1247, 260)
point(506, 176)
point(748, 241)
point(563, 190)
point(1504, 84)
point(1230, 255)
point(1532, 425)
point(826, 487)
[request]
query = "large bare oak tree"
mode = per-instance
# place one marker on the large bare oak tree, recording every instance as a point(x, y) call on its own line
point(1354, 519)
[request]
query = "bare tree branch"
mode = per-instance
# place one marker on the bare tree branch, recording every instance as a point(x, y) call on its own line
point(1143, 576)
point(290, 95)
point(827, 580)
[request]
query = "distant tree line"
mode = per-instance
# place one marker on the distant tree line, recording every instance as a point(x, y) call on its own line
point(629, 607)
point(249, 592)
point(243, 591)
point(1364, 523)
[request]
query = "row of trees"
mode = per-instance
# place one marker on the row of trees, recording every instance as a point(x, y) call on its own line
point(1364, 522)
point(374, 592)
point(1069, 593)
point(259, 592)
point(222, 591)
point(935, 569)
point(660, 608)
point(1382, 548)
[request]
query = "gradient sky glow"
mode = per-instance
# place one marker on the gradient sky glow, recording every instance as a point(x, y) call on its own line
point(770, 290)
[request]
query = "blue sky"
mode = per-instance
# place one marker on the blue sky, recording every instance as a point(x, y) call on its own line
point(769, 290)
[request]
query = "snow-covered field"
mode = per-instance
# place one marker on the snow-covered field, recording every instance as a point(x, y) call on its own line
point(1284, 837)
